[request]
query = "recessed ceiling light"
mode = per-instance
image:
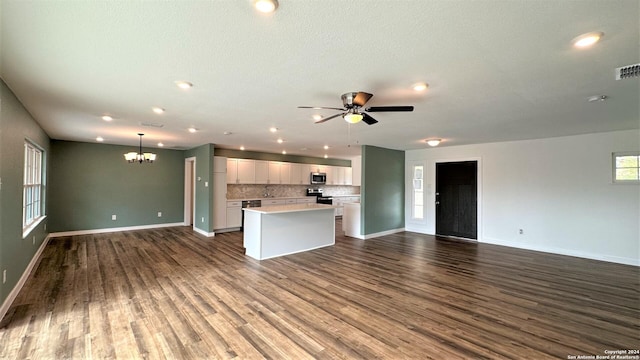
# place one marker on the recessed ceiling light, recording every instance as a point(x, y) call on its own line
point(157, 110)
point(99, 139)
point(317, 117)
point(588, 39)
point(434, 142)
point(326, 156)
point(160, 144)
point(280, 141)
point(192, 129)
point(184, 85)
point(326, 147)
point(242, 148)
point(107, 118)
point(266, 6)
point(420, 86)
point(227, 133)
point(273, 129)
point(284, 152)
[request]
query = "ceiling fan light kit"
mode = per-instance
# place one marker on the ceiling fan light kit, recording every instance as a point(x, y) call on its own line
point(354, 111)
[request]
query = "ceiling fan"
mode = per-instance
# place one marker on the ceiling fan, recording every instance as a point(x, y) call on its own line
point(354, 109)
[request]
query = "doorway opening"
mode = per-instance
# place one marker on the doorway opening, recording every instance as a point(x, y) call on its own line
point(456, 199)
point(189, 190)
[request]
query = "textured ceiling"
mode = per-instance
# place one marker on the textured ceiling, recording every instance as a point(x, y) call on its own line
point(497, 70)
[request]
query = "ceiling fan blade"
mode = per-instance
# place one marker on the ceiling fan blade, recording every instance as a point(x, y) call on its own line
point(320, 108)
point(368, 119)
point(328, 118)
point(361, 98)
point(389, 108)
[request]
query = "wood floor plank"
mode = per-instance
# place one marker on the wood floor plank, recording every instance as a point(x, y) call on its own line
point(173, 294)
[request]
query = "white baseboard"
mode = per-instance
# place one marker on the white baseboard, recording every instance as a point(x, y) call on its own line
point(378, 234)
point(25, 275)
point(125, 228)
point(202, 232)
point(567, 252)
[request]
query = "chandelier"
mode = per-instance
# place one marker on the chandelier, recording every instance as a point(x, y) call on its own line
point(140, 156)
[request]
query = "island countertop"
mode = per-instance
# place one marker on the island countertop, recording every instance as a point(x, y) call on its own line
point(275, 209)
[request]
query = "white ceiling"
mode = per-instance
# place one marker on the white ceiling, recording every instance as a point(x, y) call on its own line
point(497, 70)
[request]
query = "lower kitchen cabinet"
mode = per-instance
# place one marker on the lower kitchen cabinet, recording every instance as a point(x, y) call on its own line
point(234, 214)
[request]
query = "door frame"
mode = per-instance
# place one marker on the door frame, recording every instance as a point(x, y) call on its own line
point(431, 200)
point(189, 189)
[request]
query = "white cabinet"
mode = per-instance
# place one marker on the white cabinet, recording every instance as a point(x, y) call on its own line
point(262, 172)
point(305, 172)
point(219, 164)
point(291, 201)
point(246, 171)
point(356, 167)
point(269, 202)
point(241, 171)
point(234, 214)
point(274, 172)
point(296, 177)
point(219, 200)
point(307, 200)
point(219, 192)
point(338, 175)
point(285, 173)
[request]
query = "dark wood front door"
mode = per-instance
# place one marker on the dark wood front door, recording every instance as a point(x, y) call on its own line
point(456, 199)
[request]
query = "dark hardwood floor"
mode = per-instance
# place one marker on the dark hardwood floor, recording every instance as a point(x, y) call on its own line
point(171, 293)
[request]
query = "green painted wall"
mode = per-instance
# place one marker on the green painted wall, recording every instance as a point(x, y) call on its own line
point(203, 217)
point(16, 125)
point(90, 182)
point(382, 190)
point(230, 153)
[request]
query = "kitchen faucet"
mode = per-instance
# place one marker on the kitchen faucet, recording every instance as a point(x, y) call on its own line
point(266, 191)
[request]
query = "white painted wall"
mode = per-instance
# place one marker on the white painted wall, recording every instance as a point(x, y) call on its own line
point(558, 190)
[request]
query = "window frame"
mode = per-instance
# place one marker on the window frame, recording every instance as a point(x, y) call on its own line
point(614, 167)
point(32, 187)
point(417, 190)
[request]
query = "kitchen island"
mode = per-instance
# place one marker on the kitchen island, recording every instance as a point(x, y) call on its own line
point(271, 231)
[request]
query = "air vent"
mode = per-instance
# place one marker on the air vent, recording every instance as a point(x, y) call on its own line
point(155, 125)
point(627, 72)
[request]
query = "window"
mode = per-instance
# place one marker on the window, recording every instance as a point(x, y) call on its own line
point(626, 167)
point(417, 206)
point(32, 192)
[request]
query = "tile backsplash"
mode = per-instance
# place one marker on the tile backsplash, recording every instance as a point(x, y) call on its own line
point(235, 191)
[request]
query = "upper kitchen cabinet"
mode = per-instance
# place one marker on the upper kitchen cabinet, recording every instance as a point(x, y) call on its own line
point(295, 173)
point(262, 172)
point(241, 171)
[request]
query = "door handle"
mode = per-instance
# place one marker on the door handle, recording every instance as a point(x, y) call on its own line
point(437, 202)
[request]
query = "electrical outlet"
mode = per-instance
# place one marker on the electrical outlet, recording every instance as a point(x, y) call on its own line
point(521, 231)
point(45, 226)
point(113, 217)
point(206, 184)
point(4, 276)
point(159, 213)
point(34, 239)
point(202, 219)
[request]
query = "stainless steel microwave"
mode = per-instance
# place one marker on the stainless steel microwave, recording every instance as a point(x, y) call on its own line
point(318, 178)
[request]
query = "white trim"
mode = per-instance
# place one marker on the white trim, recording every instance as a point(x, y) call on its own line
point(108, 230)
point(25, 275)
point(188, 191)
point(202, 232)
point(378, 234)
point(566, 252)
point(32, 226)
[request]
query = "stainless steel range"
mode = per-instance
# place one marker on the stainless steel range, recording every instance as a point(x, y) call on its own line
point(320, 198)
